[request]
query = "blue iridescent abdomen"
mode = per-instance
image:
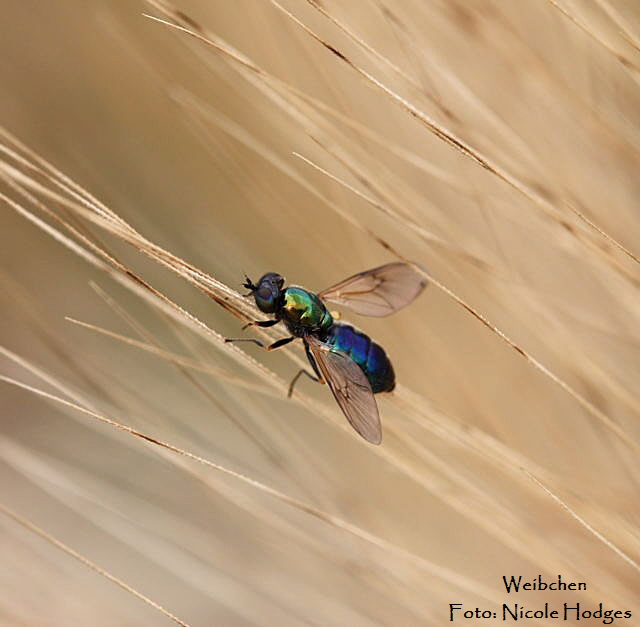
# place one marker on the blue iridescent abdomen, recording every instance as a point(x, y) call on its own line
point(366, 353)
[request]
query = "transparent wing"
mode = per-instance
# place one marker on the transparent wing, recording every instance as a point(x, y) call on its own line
point(378, 292)
point(350, 388)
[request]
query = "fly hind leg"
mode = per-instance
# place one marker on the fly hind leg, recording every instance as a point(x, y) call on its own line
point(318, 377)
point(301, 372)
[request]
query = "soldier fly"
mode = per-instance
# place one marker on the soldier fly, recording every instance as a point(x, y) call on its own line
point(350, 362)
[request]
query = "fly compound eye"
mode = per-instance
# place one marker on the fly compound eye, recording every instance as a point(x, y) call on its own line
point(266, 296)
point(267, 292)
point(264, 293)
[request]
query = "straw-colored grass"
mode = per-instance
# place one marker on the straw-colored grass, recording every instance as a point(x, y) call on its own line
point(492, 145)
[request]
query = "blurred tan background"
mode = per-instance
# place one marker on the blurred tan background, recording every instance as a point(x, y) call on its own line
point(197, 153)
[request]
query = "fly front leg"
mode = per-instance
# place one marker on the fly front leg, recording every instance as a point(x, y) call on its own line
point(267, 347)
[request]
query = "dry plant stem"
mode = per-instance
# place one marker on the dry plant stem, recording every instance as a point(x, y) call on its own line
point(87, 562)
point(448, 136)
point(296, 449)
point(178, 360)
point(619, 22)
point(43, 169)
point(291, 531)
point(226, 297)
point(277, 494)
point(269, 81)
point(132, 281)
point(611, 240)
point(592, 409)
point(41, 374)
point(584, 523)
point(154, 346)
point(451, 577)
point(456, 474)
point(40, 326)
point(494, 119)
point(241, 135)
point(320, 410)
point(406, 155)
point(419, 562)
point(124, 232)
point(471, 438)
point(85, 502)
point(55, 234)
point(211, 116)
point(509, 462)
point(109, 221)
point(479, 442)
point(589, 407)
point(397, 462)
point(500, 455)
point(125, 275)
point(227, 51)
point(517, 541)
point(626, 63)
point(414, 227)
point(444, 134)
point(374, 53)
point(195, 277)
point(398, 214)
point(63, 182)
point(317, 105)
point(125, 278)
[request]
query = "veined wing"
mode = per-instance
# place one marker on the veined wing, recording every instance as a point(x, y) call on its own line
point(378, 292)
point(350, 388)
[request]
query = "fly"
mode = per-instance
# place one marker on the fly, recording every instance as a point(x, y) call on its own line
point(350, 362)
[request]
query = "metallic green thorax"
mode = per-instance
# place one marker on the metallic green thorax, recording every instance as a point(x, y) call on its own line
point(303, 312)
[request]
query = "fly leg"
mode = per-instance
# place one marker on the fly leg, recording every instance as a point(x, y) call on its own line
point(295, 379)
point(260, 323)
point(267, 347)
point(318, 377)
